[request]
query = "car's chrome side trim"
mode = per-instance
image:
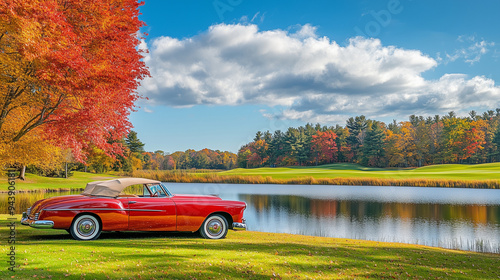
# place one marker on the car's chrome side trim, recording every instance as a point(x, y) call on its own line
point(103, 209)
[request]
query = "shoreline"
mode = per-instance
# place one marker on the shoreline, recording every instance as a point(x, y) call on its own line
point(256, 180)
point(360, 181)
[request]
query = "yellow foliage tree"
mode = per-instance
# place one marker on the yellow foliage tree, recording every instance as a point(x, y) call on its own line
point(99, 161)
point(31, 149)
point(136, 163)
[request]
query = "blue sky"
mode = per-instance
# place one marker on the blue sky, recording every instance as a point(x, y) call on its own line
point(224, 69)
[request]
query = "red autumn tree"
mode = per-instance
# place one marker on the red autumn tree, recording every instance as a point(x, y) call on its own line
point(324, 147)
point(69, 71)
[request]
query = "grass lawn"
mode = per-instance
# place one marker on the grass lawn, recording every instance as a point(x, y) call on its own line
point(445, 171)
point(52, 254)
point(77, 181)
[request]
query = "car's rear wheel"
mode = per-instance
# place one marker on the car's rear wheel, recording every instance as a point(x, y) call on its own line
point(214, 227)
point(85, 227)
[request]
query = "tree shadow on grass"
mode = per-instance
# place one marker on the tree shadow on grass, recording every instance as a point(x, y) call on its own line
point(107, 235)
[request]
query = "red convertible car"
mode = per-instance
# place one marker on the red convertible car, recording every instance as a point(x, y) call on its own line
point(103, 206)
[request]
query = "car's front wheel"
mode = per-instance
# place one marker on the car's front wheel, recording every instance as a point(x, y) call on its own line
point(85, 227)
point(214, 227)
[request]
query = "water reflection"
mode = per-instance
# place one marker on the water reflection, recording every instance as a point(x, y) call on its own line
point(467, 227)
point(359, 210)
point(466, 219)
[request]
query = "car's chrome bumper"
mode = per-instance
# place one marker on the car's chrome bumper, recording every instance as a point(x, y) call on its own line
point(36, 224)
point(240, 226)
point(24, 219)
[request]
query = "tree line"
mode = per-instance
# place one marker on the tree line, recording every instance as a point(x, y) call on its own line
point(134, 157)
point(417, 142)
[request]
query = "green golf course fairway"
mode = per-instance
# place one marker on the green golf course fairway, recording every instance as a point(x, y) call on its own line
point(449, 176)
point(52, 254)
point(486, 171)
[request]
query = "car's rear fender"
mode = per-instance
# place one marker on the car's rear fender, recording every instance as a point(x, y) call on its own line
point(110, 211)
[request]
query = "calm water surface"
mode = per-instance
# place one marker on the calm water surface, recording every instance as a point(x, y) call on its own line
point(467, 219)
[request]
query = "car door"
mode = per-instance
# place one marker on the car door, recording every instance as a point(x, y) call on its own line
point(153, 211)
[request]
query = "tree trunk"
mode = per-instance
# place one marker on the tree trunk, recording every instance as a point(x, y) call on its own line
point(22, 172)
point(66, 170)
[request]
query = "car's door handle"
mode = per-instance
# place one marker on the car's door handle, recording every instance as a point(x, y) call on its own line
point(132, 202)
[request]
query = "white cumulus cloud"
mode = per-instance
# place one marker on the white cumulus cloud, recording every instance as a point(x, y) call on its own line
point(312, 77)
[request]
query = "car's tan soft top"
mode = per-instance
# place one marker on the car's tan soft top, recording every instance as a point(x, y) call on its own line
point(113, 188)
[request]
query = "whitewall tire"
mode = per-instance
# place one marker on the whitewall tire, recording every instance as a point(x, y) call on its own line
point(85, 227)
point(214, 227)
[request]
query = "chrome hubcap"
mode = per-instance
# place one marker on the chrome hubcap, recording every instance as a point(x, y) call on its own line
point(86, 227)
point(215, 227)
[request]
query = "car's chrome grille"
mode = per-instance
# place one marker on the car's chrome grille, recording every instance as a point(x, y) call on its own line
point(36, 216)
point(28, 212)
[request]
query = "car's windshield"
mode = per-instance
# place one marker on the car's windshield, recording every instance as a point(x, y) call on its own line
point(157, 191)
point(147, 190)
point(166, 190)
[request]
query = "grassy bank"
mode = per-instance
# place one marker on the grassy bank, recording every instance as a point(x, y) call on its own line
point(51, 254)
point(449, 175)
point(78, 181)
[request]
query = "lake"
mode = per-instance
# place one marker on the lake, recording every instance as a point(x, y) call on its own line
point(466, 219)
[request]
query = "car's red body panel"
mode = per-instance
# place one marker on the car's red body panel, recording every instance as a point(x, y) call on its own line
point(172, 213)
point(192, 210)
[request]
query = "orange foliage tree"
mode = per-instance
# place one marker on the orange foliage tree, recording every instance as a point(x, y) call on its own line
point(69, 72)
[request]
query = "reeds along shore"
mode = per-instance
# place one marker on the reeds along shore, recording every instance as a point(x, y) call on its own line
point(184, 177)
